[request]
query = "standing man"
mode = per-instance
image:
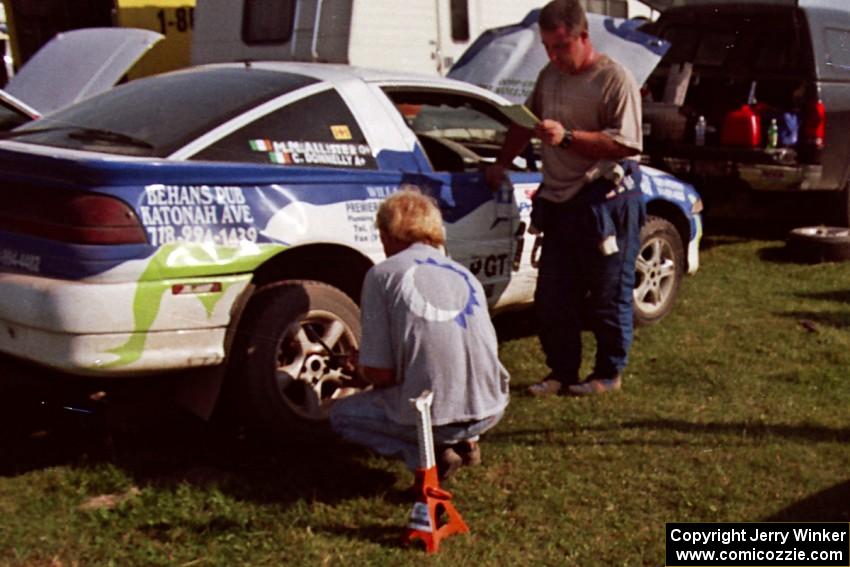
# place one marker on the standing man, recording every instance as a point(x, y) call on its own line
point(588, 207)
point(425, 326)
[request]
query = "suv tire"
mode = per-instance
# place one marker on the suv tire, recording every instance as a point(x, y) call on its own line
point(658, 271)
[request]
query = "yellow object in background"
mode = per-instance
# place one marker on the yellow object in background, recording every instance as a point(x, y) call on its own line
point(172, 18)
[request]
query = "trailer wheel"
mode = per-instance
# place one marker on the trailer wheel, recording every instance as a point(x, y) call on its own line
point(814, 244)
point(658, 271)
point(287, 360)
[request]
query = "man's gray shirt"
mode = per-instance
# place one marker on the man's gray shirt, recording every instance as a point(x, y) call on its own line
point(425, 317)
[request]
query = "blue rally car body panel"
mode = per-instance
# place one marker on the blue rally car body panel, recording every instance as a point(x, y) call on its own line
point(168, 303)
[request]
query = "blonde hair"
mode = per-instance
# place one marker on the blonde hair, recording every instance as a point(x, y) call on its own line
point(409, 216)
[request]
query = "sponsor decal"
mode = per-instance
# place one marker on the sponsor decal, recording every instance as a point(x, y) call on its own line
point(361, 214)
point(197, 213)
point(489, 266)
point(341, 132)
point(298, 152)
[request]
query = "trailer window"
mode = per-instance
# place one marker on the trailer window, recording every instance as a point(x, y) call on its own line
point(268, 21)
point(460, 20)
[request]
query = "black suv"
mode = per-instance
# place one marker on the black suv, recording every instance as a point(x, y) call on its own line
point(752, 104)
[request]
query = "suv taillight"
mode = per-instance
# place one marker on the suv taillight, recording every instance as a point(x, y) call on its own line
point(70, 216)
point(814, 124)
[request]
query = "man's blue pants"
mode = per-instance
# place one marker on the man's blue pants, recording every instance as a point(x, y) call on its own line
point(580, 287)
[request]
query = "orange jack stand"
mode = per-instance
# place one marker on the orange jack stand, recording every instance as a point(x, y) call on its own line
point(426, 519)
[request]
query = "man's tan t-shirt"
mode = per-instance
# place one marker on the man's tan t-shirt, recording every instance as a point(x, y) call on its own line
point(603, 98)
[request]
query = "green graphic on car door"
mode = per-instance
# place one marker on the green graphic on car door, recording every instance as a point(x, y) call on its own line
point(200, 262)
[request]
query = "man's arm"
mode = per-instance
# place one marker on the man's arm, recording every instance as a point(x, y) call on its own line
point(596, 145)
point(516, 139)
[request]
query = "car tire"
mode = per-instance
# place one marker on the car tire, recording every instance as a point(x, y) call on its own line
point(815, 244)
point(281, 365)
point(658, 271)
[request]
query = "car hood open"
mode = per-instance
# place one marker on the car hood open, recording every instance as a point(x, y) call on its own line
point(507, 60)
point(78, 64)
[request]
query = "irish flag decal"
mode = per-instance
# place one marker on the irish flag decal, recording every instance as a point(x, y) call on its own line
point(261, 145)
point(274, 156)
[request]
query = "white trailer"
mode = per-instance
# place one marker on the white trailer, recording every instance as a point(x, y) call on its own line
point(424, 36)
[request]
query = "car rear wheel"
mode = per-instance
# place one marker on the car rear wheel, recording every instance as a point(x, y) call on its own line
point(658, 271)
point(290, 352)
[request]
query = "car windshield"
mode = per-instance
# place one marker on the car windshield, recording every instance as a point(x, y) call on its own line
point(463, 124)
point(158, 115)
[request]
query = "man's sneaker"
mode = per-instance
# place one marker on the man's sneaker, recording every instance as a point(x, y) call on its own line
point(548, 387)
point(448, 462)
point(593, 386)
point(469, 451)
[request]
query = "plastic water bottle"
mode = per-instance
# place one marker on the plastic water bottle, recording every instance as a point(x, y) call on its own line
point(773, 134)
point(699, 131)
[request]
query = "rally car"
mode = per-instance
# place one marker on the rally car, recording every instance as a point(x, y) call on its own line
point(223, 217)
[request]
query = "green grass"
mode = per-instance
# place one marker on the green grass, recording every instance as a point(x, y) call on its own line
point(735, 408)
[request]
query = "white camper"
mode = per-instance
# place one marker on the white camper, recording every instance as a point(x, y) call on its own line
point(425, 36)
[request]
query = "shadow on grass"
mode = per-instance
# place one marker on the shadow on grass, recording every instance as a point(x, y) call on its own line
point(811, 319)
point(386, 536)
point(513, 325)
point(802, 432)
point(830, 505)
point(710, 241)
point(837, 296)
point(157, 444)
point(546, 436)
point(778, 255)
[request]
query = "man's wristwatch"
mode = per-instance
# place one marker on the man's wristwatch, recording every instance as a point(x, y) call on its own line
point(567, 139)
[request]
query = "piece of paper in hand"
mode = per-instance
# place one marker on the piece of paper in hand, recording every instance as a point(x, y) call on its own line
point(521, 115)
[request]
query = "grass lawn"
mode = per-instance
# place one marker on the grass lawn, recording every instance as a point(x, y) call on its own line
point(735, 408)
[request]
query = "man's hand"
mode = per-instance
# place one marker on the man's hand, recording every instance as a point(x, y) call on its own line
point(550, 132)
point(494, 174)
point(349, 364)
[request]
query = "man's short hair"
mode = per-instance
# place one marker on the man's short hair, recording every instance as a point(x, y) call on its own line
point(567, 13)
point(409, 216)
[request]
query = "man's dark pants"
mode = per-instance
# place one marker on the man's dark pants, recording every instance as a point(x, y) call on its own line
point(578, 286)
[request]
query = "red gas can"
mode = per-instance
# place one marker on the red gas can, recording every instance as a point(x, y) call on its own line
point(741, 127)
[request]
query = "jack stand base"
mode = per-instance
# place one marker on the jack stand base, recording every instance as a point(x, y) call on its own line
point(425, 518)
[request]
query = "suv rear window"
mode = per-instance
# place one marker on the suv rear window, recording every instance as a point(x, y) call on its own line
point(158, 115)
point(736, 41)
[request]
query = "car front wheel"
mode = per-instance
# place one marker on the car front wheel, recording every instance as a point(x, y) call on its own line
point(659, 269)
point(290, 353)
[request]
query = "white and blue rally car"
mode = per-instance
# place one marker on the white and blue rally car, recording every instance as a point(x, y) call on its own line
point(223, 217)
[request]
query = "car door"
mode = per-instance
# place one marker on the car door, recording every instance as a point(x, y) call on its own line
point(481, 225)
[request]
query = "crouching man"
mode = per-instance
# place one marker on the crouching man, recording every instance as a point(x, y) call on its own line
point(425, 327)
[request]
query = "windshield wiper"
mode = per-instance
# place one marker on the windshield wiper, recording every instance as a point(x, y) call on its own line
point(20, 133)
point(97, 135)
point(82, 134)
